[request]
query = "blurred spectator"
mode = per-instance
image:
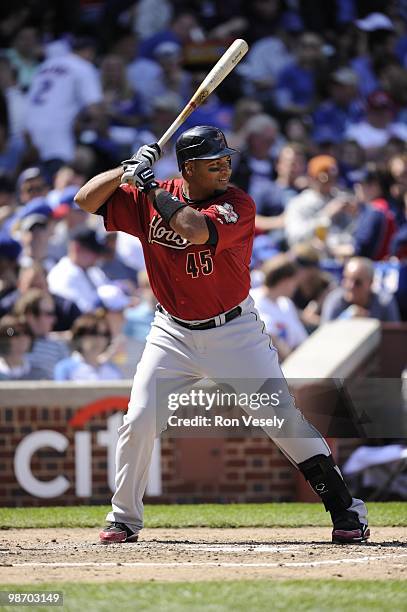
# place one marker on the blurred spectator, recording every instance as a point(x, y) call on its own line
point(342, 106)
point(33, 228)
point(312, 213)
point(254, 171)
point(114, 267)
point(152, 16)
point(15, 342)
point(375, 223)
point(8, 201)
point(123, 106)
point(275, 306)
point(25, 55)
point(244, 109)
point(139, 318)
point(379, 126)
point(77, 276)
point(356, 298)
point(183, 28)
point(90, 338)
point(31, 184)
point(351, 160)
point(174, 78)
point(296, 87)
point(62, 88)
point(15, 98)
point(68, 217)
point(114, 302)
point(10, 251)
point(265, 60)
point(376, 40)
point(263, 18)
point(12, 149)
point(34, 276)
point(313, 284)
point(397, 166)
point(290, 170)
point(38, 307)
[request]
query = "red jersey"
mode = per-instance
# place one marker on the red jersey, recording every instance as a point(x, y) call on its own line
point(191, 281)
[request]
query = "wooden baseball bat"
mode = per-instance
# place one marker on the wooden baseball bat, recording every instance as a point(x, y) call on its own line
point(223, 66)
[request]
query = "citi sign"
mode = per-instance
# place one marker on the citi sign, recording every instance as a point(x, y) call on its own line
point(82, 451)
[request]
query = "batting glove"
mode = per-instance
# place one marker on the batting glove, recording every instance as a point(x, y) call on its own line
point(139, 174)
point(150, 153)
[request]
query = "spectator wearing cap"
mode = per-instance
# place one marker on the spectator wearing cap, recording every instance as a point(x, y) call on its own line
point(254, 171)
point(38, 307)
point(275, 306)
point(15, 343)
point(90, 339)
point(31, 184)
point(379, 126)
point(378, 39)
point(77, 276)
point(168, 55)
point(317, 206)
point(341, 108)
point(356, 296)
point(313, 284)
point(62, 88)
point(33, 228)
point(375, 224)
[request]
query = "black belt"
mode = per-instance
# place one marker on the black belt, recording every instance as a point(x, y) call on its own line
point(211, 323)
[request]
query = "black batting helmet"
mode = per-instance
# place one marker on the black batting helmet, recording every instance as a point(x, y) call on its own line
point(202, 142)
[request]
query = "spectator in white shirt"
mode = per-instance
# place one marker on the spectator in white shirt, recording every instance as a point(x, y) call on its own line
point(379, 127)
point(275, 306)
point(63, 87)
point(76, 276)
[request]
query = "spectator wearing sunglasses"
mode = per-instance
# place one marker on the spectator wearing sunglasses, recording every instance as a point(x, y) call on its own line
point(90, 339)
point(356, 296)
point(38, 307)
point(15, 342)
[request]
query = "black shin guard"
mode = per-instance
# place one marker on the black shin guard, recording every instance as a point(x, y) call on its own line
point(326, 482)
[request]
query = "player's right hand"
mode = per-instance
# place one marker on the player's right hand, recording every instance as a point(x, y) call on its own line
point(149, 153)
point(139, 174)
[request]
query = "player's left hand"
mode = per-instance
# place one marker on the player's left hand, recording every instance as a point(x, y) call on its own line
point(139, 174)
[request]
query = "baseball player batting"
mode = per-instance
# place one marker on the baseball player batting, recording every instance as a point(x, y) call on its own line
point(197, 234)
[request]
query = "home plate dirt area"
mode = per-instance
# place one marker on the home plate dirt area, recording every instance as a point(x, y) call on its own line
point(47, 555)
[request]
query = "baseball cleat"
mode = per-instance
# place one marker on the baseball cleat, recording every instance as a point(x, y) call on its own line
point(116, 533)
point(348, 529)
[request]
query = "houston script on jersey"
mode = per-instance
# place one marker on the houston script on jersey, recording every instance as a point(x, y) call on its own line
point(190, 281)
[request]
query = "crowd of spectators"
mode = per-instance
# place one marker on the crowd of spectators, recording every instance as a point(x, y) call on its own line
point(317, 109)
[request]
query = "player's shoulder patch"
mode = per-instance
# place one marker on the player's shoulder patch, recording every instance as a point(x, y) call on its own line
point(227, 212)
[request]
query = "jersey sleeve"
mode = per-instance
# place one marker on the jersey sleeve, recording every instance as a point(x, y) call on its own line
point(123, 211)
point(234, 221)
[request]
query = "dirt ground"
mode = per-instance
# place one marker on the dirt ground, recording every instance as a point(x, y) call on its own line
point(48, 555)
